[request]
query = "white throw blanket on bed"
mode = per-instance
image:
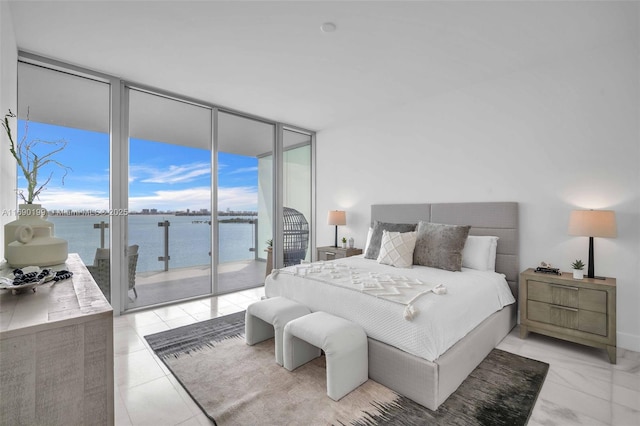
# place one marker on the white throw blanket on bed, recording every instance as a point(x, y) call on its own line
point(395, 288)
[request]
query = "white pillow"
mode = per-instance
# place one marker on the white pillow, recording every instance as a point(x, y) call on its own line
point(480, 253)
point(396, 249)
point(369, 234)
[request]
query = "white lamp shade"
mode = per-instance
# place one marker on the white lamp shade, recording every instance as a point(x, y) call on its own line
point(336, 218)
point(593, 223)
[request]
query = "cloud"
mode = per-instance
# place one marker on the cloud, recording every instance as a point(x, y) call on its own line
point(193, 198)
point(244, 170)
point(172, 174)
point(60, 198)
point(232, 198)
point(238, 198)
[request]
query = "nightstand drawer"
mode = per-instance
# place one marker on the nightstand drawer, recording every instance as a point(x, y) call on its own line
point(332, 253)
point(562, 316)
point(593, 300)
point(552, 314)
point(568, 296)
point(329, 255)
point(555, 294)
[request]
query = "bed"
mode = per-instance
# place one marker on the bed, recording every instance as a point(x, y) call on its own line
point(401, 351)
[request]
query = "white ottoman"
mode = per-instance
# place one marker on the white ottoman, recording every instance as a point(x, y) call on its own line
point(266, 319)
point(344, 344)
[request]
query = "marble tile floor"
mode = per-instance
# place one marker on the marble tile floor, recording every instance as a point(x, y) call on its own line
point(581, 388)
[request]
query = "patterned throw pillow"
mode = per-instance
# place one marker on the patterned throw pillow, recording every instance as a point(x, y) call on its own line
point(396, 249)
point(440, 246)
point(373, 249)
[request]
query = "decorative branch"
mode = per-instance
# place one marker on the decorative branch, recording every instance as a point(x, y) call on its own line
point(29, 162)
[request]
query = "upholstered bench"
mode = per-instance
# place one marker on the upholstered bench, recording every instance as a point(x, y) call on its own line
point(343, 342)
point(266, 319)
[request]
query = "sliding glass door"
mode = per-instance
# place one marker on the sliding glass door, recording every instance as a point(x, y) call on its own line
point(245, 201)
point(169, 222)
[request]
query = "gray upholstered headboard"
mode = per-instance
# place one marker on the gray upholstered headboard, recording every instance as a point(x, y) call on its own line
point(486, 218)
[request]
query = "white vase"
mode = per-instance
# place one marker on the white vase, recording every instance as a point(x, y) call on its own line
point(578, 274)
point(28, 214)
point(29, 240)
point(351, 242)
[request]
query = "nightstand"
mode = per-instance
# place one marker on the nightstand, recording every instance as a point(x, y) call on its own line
point(581, 311)
point(331, 253)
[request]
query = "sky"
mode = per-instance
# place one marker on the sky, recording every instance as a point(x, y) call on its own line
point(161, 176)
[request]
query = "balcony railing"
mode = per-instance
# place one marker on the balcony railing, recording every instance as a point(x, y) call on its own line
point(163, 251)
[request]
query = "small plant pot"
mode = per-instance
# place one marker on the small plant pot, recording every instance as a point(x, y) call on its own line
point(578, 274)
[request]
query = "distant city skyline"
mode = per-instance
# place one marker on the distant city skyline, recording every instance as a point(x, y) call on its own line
point(162, 176)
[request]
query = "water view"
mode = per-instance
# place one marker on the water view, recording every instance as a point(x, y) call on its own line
point(189, 239)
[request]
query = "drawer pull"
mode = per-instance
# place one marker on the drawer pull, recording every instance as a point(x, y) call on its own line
point(565, 308)
point(564, 287)
point(329, 253)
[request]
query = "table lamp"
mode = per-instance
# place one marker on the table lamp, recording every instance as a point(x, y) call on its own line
point(592, 223)
point(336, 218)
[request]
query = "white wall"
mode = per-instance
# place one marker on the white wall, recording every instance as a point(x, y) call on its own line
point(8, 100)
point(556, 137)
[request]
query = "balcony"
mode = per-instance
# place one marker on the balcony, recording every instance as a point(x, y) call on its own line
point(182, 283)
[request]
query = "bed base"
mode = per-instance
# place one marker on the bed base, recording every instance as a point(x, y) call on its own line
point(430, 383)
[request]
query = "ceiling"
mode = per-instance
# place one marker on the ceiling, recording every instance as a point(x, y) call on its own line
point(270, 58)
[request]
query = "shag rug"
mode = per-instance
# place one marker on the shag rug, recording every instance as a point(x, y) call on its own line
point(237, 384)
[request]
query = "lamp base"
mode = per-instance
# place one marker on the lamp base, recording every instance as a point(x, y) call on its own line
point(597, 278)
point(591, 268)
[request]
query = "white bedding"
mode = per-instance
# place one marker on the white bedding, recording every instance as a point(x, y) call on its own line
point(441, 320)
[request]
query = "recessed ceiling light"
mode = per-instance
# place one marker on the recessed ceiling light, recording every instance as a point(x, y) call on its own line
point(328, 27)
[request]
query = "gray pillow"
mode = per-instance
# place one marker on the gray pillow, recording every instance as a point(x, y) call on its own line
point(440, 246)
point(373, 250)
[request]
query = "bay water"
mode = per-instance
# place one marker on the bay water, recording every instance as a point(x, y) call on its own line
point(189, 239)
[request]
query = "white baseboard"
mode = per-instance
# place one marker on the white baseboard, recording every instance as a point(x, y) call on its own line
point(628, 341)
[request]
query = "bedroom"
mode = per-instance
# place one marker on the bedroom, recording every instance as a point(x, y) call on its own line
point(555, 133)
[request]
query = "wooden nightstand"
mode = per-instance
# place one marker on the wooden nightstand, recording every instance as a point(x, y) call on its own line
point(581, 311)
point(331, 253)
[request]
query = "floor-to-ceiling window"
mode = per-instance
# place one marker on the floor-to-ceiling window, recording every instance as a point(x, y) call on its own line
point(296, 196)
point(169, 221)
point(59, 111)
point(244, 199)
point(196, 189)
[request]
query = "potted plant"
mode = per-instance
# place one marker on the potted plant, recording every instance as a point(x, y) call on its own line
point(344, 242)
point(578, 267)
point(269, 251)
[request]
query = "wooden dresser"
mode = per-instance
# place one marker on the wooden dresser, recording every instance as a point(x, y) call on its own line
point(331, 253)
point(56, 353)
point(582, 311)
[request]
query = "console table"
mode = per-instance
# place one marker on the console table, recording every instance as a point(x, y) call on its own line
point(56, 353)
